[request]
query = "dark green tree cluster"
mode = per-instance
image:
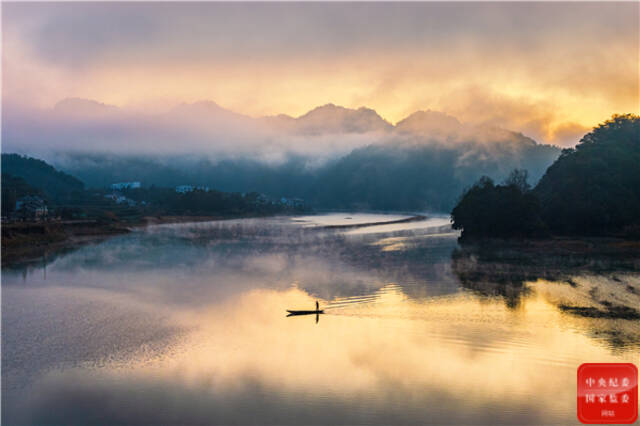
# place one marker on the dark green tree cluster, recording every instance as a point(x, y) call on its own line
point(14, 188)
point(53, 184)
point(166, 201)
point(66, 197)
point(403, 176)
point(592, 189)
point(502, 211)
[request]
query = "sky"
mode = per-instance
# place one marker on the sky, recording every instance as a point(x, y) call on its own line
point(549, 70)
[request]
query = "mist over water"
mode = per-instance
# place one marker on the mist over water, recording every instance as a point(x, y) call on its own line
point(332, 157)
point(187, 324)
point(425, 115)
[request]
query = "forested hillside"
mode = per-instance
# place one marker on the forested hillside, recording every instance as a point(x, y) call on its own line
point(592, 189)
point(595, 187)
point(379, 177)
point(38, 174)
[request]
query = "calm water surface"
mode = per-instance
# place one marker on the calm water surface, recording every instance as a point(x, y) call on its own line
point(186, 324)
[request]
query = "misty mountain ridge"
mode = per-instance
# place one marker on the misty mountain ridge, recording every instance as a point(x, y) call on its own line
point(206, 128)
point(325, 119)
point(331, 156)
point(375, 177)
point(336, 119)
point(38, 174)
point(83, 107)
point(206, 110)
point(428, 123)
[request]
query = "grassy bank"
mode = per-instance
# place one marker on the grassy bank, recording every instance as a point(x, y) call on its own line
point(25, 241)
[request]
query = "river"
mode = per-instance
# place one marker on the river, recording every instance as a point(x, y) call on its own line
point(186, 324)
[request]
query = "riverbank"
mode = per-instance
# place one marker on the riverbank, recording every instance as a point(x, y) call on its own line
point(612, 246)
point(562, 268)
point(23, 242)
point(416, 218)
point(28, 242)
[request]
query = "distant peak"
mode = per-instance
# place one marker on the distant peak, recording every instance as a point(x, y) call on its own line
point(206, 108)
point(83, 106)
point(206, 104)
point(198, 105)
point(429, 114)
point(326, 108)
point(331, 108)
point(429, 122)
point(284, 116)
point(331, 118)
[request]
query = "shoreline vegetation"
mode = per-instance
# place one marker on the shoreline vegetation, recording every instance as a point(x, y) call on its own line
point(416, 218)
point(30, 241)
point(588, 277)
point(45, 210)
point(592, 190)
point(27, 242)
point(589, 197)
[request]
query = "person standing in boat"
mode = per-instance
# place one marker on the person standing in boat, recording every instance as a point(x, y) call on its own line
point(317, 306)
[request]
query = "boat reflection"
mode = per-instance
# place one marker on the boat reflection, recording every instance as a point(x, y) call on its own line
point(317, 312)
point(300, 313)
point(187, 321)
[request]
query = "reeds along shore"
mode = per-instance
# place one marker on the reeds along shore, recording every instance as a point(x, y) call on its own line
point(22, 241)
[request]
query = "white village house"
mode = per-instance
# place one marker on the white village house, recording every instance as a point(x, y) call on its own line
point(125, 185)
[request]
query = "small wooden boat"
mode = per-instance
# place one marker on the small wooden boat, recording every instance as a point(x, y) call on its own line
point(304, 312)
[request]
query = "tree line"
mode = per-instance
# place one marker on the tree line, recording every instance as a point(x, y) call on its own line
point(592, 189)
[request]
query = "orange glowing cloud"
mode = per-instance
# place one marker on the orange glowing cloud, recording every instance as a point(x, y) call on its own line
point(549, 70)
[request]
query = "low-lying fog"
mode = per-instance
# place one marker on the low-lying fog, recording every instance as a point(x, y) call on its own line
point(187, 324)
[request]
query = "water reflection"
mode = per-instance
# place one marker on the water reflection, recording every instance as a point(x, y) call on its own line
point(317, 312)
point(297, 314)
point(184, 324)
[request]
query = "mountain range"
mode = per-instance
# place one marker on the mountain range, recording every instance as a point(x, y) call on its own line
point(332, 156)
point(325, 119)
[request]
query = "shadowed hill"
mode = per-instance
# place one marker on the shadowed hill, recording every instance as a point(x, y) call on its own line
point(38, 174)
point(593, 189)
point(403, 176)
point(332, 157)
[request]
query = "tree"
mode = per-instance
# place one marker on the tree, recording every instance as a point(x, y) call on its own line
point(51, 182)
point(502, 211)
point(594, 189)
point(14, 188)
point(518, 178)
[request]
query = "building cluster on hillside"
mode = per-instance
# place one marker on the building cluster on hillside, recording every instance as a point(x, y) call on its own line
point(121, 199)
point(30, 207)
point(183, 189)
point(125, 185)
point(118, 198)
point(296, 203)
point(259, 198)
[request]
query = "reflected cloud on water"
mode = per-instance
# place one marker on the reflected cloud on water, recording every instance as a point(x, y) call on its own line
point(187, 324)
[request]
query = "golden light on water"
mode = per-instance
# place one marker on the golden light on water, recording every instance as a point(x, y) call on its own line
point(452, 345)
point(209, 338)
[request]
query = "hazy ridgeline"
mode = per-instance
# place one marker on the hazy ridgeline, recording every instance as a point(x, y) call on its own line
point(380, 177)
point(332, 157)
point(592, 189)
